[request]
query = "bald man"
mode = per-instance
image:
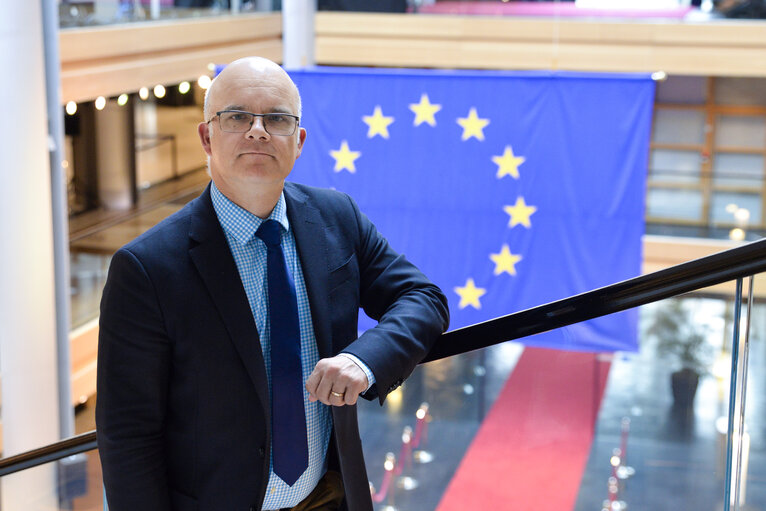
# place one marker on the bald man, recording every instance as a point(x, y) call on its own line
point(229, 361)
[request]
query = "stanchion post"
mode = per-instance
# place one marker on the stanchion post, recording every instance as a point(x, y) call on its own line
point(405, 458)
point(624, 471)
point(421, 435)
point(385, 487)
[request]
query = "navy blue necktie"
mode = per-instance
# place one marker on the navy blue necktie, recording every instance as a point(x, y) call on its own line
point(288, 417)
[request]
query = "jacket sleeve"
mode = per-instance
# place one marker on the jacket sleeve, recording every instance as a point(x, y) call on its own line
point(411, 311)
point(132, 383)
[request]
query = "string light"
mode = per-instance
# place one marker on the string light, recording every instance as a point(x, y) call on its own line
point(100, 102)
point(71, 108)
point(159, 91)
point(184, 87)
point(143, 93)
point(122, 100)
point(204, 82)
point(742, 215)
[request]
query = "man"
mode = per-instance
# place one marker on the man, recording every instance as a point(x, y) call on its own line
point(221, 321)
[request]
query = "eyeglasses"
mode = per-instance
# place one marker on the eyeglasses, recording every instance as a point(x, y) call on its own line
point(237, 121)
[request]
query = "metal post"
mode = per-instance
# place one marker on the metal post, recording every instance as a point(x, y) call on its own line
point(60, 212)
point(742, 396)
point(732, 395)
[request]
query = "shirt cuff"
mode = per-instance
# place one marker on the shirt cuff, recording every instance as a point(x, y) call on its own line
point(363, 367)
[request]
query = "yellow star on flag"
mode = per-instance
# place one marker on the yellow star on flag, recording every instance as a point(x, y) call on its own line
point(470, 294)
point(424, 111)
point(378, 123)
point(344, 158)
point(520, 213)
point(508, 164)
point(472, 125)
point(505, 261)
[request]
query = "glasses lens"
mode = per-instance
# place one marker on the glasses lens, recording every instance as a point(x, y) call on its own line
point(278, 124)
point(236, 122)
point(275, 124)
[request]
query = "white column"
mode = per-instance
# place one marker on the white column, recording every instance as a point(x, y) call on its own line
point(115, 156)
point(154, 9)
point(28, 366)
point(106, 11)
point(298, 33)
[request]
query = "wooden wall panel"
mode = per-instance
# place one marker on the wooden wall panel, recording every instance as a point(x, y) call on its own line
point(720, 48)
point(107, 61)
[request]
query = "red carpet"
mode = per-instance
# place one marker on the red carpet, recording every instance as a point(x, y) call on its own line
point(531, 449)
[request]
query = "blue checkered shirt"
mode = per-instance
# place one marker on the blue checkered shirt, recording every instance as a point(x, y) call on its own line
point(249, 253)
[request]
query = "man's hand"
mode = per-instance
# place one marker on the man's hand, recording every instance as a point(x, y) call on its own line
point(336, 381)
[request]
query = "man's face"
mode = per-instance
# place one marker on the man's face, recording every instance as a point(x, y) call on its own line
point(255, 157)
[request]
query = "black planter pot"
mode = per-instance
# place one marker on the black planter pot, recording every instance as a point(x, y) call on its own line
point(684, 384)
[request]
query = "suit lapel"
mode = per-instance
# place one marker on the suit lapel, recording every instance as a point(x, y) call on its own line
point(309, 230)
point(214, 262)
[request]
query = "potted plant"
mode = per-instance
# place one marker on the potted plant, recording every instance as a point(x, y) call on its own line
point(682, 339)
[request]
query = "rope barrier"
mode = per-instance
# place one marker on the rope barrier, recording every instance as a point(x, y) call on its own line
point(395, 467)
point(389, 465)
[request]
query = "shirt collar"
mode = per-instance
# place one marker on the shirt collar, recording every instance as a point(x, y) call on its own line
point(239, 222)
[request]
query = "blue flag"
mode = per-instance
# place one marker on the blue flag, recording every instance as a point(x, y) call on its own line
point(508, 189)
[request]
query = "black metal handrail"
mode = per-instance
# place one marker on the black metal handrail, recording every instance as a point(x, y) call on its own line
point(700, 273)
point(53, 452)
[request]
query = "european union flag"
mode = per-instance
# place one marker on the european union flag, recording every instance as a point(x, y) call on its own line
point(508, 189)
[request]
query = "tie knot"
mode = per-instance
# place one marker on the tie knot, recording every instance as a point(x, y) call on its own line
point(270, 233)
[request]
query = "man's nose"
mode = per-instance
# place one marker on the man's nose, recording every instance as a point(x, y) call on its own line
point(258, 129)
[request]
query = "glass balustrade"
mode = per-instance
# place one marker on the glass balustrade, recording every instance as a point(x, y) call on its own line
point(678, 424)
point(70, 484)
point(77, 13)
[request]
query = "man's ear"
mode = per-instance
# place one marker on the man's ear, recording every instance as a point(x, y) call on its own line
point(203, 130)
point(301, 140)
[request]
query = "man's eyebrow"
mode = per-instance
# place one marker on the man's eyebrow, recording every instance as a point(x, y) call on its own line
point(273, 110)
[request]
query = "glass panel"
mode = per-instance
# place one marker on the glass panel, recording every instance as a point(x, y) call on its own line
point(673, 126)
point(740, 131)
point(88, 271)
point(426, 426)
point(740, 91)
point(101, 12)
point(671, 166)
point(682, 89)
point(734, 169)
point(659, 424)
point(735, 208)
point(674, 204)
point(71, 484)
point(749, 449)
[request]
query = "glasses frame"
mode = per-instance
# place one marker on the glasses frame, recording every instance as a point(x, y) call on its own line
point(252, 121)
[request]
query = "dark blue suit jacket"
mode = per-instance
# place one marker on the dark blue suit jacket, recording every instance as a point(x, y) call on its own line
point(182, 411)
